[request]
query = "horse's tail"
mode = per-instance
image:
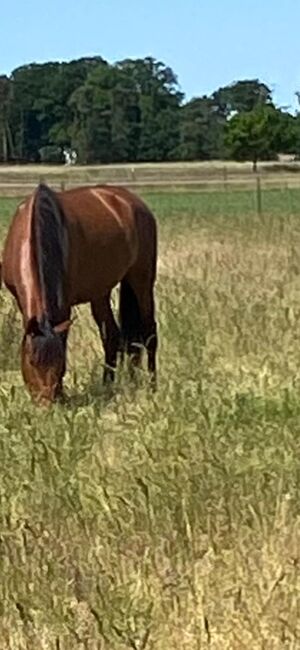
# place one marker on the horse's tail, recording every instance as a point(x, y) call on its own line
point(130, 317)
point(50, 243)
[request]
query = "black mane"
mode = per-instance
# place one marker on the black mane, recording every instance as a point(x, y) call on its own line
point(50, 239)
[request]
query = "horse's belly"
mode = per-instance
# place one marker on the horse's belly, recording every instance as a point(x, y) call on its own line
point(95, 274)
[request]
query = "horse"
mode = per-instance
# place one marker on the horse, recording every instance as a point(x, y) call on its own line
point(72, 247)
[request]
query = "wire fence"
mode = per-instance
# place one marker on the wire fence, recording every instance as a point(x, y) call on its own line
point(21, 188)
point(157, 178)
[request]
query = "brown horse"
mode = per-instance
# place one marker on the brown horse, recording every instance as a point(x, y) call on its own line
point(73, 247)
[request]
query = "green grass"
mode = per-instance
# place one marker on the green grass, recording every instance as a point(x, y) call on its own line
point(132, 520)
point(7, 208)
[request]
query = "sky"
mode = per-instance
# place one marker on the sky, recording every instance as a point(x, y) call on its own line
point(208, 43)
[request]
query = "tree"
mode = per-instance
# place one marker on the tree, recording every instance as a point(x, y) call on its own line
point(133, 111)
point(91, 106)
point(5, 134)
point(254, 135)
point(158, 102)
point(201, 130)
point(242, 96)
point(294, 132)
point(32, 101)
point(288, 133)
point(71, 76)
point(204, 119)
point(39, 107)
point(127, 112)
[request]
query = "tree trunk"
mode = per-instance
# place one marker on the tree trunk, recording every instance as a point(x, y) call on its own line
point(4, 144)
point(11, 149)
point(21, 143)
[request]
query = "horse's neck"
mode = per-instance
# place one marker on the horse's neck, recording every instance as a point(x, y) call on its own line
point(30, 294)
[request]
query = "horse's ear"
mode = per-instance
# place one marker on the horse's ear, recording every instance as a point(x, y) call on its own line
point(62, 327)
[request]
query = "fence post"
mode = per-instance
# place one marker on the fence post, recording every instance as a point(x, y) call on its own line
point(63, 186)
point(225, 178)
point(258, 196)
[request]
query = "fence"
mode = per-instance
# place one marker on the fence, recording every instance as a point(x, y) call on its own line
point(194, 177)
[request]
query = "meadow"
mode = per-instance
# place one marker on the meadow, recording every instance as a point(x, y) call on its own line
point(132, 520)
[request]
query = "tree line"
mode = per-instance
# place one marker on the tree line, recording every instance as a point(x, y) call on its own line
point(134, 111)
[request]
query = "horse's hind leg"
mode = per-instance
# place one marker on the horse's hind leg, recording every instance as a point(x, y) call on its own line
point(110, 335)
point(150, 336)
point(137, 312)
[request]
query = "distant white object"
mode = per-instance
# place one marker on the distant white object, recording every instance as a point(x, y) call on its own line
point(67, 156)
point(70, 156)
point(73, 157)
point(232, 114)
point(286, 157)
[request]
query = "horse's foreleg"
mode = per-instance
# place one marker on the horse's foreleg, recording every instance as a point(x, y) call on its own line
point(60, 390)
point(110, 335)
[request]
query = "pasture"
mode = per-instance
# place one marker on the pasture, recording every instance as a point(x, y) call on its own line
point(168, 520)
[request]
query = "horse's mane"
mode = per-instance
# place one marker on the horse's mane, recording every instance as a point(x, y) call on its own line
point(47, 346)
point(50, 241)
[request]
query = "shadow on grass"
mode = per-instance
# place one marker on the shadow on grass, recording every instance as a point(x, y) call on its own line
point(91, 395)
point(101, 395)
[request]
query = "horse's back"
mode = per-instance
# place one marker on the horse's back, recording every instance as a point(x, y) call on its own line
point(111, 230)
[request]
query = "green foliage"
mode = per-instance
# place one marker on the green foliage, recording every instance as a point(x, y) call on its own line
point(129, 111)
point(242, 96)
point(5, 135)
point(254, 135)
point(40, 114)
point(202, 130)
point(204, 119)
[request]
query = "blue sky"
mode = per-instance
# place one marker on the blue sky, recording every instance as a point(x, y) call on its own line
point(208, 43)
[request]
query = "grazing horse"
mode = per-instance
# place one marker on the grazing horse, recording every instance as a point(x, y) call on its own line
point(73, 247)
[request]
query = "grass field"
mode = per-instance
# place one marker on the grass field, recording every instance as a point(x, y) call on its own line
point(166, 521)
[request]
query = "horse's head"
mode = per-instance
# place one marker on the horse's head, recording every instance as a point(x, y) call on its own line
point(43, 359)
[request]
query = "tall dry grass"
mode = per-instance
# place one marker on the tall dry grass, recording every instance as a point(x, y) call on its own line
point(133, 520)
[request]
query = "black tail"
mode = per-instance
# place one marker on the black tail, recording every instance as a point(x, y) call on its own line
point(50, 241)
point(130, 317)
